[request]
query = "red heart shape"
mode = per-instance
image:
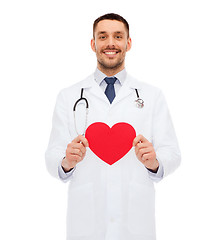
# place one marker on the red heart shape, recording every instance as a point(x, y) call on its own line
point(110, 144)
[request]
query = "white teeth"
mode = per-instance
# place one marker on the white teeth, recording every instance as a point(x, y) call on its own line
point(110, 53)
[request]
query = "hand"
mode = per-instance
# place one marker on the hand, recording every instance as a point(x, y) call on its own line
point(75, 153)
point(145, 152)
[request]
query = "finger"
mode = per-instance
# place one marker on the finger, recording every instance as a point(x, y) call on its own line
point(142, 152)
point(140, 146)
point(81, 139)
point(72, 158)
point(76, 158)
point(76, 151)
point(145, 150)
point(79, 146)
point(147, 156)
point(138, 139)
point(143, 145)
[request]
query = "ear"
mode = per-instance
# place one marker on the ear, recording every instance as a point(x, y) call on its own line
point(93, 45)
point(129, 44)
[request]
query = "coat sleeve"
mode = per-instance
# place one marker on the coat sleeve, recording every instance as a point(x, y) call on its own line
point(59, 137)
point(164, 137)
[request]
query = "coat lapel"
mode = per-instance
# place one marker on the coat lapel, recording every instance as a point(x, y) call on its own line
point(129, 86)
point(91, 86)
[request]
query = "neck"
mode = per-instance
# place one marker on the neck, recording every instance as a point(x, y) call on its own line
point(110, 71)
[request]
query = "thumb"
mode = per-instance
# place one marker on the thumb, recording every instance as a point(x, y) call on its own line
point(139, 139)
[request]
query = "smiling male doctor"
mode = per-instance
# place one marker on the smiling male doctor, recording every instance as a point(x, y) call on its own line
point(112, 201)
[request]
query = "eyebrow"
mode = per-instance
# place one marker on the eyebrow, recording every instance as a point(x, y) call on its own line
point(103, 32)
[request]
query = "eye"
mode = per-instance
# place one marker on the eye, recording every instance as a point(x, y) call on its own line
point(118, 37)
point(102, 37)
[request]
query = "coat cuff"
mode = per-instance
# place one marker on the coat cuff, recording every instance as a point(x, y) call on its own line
point(63, 175)
point(156, 177)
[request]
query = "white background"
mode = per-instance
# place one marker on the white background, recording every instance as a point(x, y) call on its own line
point(45, 46)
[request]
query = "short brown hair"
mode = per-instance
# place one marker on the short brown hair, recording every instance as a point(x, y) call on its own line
point(111, 16)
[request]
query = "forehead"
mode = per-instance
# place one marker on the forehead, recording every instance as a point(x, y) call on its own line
point(110, 26)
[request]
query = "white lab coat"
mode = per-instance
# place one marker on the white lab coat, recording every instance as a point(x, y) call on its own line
point(112, 202)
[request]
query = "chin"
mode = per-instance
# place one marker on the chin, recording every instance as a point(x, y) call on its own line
point(110, 65)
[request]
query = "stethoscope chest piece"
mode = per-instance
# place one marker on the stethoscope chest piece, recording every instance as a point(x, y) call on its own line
point(139, 103)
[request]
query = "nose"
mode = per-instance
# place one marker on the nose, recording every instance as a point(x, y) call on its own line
point(110, 42)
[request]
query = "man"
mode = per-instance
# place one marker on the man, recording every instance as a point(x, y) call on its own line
point(111, 173)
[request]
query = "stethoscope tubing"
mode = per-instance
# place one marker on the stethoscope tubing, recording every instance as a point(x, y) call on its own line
point(139, 104)
point(80, 99)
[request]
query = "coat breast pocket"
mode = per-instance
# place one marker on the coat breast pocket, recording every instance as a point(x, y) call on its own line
point(141, 209)
point(81, 214)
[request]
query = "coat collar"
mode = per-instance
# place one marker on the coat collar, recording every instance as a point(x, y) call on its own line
point(130, 82)
point(129, 86)
point(100, 76)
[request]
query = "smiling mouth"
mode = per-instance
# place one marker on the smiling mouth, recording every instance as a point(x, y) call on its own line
point(111, 52)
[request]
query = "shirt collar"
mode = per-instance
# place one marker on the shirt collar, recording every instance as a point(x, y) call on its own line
point(99, 76)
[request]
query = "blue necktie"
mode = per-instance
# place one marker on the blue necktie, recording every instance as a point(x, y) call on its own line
point(110, 90)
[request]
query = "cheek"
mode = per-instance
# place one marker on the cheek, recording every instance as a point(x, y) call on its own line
point(123, 47)
point(100, 48)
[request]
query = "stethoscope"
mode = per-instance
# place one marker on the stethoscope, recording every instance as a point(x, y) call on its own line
point(138, 102)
